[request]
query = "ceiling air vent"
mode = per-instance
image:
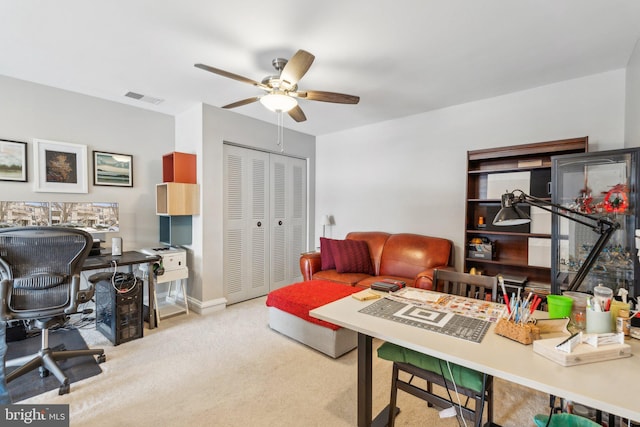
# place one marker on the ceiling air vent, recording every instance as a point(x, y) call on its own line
point(144, 98)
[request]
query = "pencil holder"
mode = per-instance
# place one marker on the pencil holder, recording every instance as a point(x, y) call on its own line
point(523, 333)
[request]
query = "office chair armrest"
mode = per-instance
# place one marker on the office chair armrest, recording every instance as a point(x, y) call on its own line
point(5, 288)
point(85, 295)
point(5, 270)
point(74, 295)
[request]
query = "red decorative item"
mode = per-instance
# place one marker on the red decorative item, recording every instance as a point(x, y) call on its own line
point(617, 199)
point(585, 201)
point(300, 298)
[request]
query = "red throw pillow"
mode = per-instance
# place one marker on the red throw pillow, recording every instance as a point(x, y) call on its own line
point(326, 255)
point(351, 256)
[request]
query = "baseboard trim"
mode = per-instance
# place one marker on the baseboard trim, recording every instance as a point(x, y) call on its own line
point(205, 307)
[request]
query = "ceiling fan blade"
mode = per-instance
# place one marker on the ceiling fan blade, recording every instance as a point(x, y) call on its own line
point(242, 102)
point(296, 67)
point(230, 75)
point(297, 114)
point(339, 98)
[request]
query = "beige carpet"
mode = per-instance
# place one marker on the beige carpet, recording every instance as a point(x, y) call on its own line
point(230, 369)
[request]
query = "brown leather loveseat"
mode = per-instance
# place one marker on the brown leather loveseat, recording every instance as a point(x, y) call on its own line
point(407, 257)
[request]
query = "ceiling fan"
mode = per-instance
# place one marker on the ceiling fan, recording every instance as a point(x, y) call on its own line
point(282, 89)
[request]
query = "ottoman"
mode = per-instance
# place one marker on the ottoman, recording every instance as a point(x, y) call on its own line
point(289, 314)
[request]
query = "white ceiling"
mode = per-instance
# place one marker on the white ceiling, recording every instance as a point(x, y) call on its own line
point(401, 57)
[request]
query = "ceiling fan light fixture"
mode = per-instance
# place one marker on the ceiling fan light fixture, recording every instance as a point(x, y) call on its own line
point(278, 101)
point(281, 90)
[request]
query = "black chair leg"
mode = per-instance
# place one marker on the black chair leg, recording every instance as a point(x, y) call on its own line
point(430, 390)
point(490, 404)
point(49, 363)
point(487, 396)
point(34, 363)
point(478, 411)
point(46, 360)
point(394, 397)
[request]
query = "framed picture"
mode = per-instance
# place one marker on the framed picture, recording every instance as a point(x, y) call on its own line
point(112, 169)
point(60, 167)
point(13, 161)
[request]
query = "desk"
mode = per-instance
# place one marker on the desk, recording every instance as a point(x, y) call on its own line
point(612, 386)
point(128, 258)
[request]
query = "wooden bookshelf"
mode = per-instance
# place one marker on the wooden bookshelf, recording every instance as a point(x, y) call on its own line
point(489, 170)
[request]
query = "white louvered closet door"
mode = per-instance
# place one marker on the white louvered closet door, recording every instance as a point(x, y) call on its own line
point(246, 227)
point(288, 218)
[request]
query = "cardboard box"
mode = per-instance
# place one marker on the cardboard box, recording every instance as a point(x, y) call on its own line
point(481, 250)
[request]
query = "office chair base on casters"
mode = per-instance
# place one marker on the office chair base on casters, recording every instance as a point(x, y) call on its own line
point(46, 362)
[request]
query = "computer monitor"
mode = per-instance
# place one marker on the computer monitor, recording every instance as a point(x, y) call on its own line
point(92, 217)
point(23, 214)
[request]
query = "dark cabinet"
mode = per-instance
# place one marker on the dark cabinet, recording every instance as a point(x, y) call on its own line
point(601, 183)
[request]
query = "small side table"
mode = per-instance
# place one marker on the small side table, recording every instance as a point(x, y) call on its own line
point(171, 304)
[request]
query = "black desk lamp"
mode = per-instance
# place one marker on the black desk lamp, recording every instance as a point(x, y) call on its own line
point(510, 214)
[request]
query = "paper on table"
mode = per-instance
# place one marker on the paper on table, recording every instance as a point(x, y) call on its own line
point(455, 304)
point(420, 296)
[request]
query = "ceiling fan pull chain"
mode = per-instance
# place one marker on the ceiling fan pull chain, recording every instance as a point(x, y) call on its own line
point(280, 141)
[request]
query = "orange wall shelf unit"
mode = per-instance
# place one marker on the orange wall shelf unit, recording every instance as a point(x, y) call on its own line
point(179, 167)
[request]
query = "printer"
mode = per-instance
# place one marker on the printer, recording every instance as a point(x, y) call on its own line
point(173, 265)
point(172, 258)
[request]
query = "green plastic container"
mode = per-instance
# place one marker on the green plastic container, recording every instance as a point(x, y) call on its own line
point(564, 420)
point(559, 306)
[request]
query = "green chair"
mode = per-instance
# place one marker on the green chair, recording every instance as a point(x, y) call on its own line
point(472, 384)
point(564, 420)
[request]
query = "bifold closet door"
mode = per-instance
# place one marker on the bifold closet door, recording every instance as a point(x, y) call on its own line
point(288, 218)
point(246, 227)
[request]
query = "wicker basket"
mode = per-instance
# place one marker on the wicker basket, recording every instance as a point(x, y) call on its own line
point(523, 333)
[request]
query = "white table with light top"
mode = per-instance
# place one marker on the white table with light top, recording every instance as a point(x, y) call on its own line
point(611, 386)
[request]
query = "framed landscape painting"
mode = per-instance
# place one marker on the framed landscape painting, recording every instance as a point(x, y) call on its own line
point(60, 167)
point(112, 169)
point(13, 161)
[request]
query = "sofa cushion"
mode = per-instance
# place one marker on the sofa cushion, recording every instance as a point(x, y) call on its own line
point(326, 255)
point(406, 255)
point(345, 278)
point(298, 299)
point(351, 256)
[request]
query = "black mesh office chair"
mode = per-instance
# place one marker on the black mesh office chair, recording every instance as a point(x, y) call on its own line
point(40, 272)
point(474, 385)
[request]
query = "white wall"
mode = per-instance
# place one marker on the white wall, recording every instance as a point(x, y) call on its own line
point(401, 175)
point(632, 104)
point(409, 175)
point(205, 129)
point(29, 111)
